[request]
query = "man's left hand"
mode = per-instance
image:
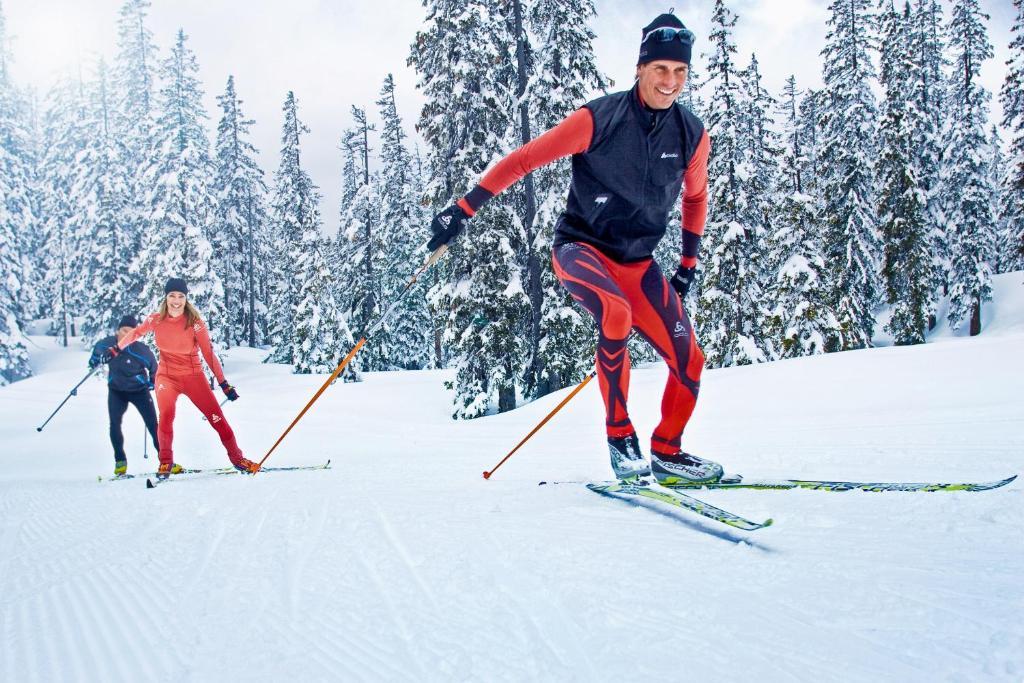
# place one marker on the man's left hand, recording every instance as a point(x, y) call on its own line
point(682, 280)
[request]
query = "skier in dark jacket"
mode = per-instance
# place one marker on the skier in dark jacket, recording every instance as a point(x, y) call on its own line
point(129, 380)
point(632, 152)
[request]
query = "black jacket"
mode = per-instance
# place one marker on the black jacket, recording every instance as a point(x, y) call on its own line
point(624, 185)
point(131, 370)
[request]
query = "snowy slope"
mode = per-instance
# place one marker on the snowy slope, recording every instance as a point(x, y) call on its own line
point(402, 563)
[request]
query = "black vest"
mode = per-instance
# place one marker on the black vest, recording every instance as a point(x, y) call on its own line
point(624, 185)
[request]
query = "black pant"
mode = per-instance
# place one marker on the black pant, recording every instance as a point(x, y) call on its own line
point(117, 403)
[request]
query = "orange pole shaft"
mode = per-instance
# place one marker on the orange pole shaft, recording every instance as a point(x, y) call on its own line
point(431, 260)
point(322, 389)
point(578, 389)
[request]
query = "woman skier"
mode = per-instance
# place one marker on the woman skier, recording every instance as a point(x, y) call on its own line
point(180, 334)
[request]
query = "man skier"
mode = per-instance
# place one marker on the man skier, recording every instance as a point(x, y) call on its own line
point(632, 152)
point(129, 380)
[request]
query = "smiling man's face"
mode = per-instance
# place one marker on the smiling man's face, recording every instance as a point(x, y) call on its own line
point(661, 81)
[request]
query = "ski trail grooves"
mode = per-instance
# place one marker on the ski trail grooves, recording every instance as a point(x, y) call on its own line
point(385, 594)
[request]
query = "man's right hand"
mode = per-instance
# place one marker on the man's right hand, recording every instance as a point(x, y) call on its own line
point(446, 226)
point(109, 355)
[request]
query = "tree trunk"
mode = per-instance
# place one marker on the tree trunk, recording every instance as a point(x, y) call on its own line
point(976, 317)
point(533, 261)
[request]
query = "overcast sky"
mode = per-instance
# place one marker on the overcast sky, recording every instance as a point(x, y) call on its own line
point(336, 53)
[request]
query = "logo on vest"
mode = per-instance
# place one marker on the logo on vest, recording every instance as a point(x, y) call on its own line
point(602, 199)
point(665, 155)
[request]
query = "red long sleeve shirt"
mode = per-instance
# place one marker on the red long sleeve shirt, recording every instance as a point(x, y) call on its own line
point(573, 136)
point(179, 345)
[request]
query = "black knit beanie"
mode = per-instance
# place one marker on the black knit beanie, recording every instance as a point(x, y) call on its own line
point(176, 284)
point(127, 321)
point(677, 48)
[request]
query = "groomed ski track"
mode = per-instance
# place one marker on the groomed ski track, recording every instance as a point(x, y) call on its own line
point(401, 563)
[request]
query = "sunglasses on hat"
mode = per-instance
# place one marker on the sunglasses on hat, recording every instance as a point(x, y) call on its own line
point(667, 34)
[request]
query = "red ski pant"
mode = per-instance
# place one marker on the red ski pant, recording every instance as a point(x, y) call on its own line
point(168, 388)
point(626, 296)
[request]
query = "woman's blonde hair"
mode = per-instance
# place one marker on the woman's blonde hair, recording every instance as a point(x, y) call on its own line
point(191, 314)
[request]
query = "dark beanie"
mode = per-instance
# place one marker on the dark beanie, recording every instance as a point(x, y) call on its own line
point(653, 49)
point(127, 321)
point(175, 284)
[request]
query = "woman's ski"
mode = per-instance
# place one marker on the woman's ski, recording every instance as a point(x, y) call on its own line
point(154, 482)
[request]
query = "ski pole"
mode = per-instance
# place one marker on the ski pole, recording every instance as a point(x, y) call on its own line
point(74, 392)
point(145, 440)
point(431, 260)
point(572, 394)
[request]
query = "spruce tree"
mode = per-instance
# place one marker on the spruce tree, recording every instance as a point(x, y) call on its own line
point(1011, 97)
point(306, 326)
point(242, 224)
point(847, 166)
point(103, 186)
point(563, 74)
point(762, 154)
point(903, 199)
point(408, 342)
point(799, 317)
point(134, 95)
point(970, 208)
point(63, 226)
point(363, 243)
point(928, 45)
point(726, 315)
point(179, 198)
point(999, 247)
point(320, 337)
point(16, 219)
point(466, 60)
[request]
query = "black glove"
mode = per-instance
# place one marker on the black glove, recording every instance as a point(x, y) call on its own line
point(109, 355)
point(682, 280)
point(229, 391)
point(446, 225)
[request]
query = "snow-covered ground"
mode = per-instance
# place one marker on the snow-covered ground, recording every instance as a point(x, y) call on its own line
point(403, 563)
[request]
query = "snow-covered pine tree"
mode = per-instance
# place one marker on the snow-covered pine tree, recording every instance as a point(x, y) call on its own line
point(563, 74)
point(179, 197)
point(16, 219)
point(999, 244)
point(799, 319)
point(907, 267)
point(422, 212)
point(1011, 97)
point(301, 301)
point(102, 188)
point(242, 229)
point(929, 50)
point(970, 206)
point(849, 146)
point(811, 106)
point(62, 213)
point(320, 336)
point(726, 312)
point(134, 93)
point(762, 152)
point(363, 244)
point(408, 342)
point(466, 60)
